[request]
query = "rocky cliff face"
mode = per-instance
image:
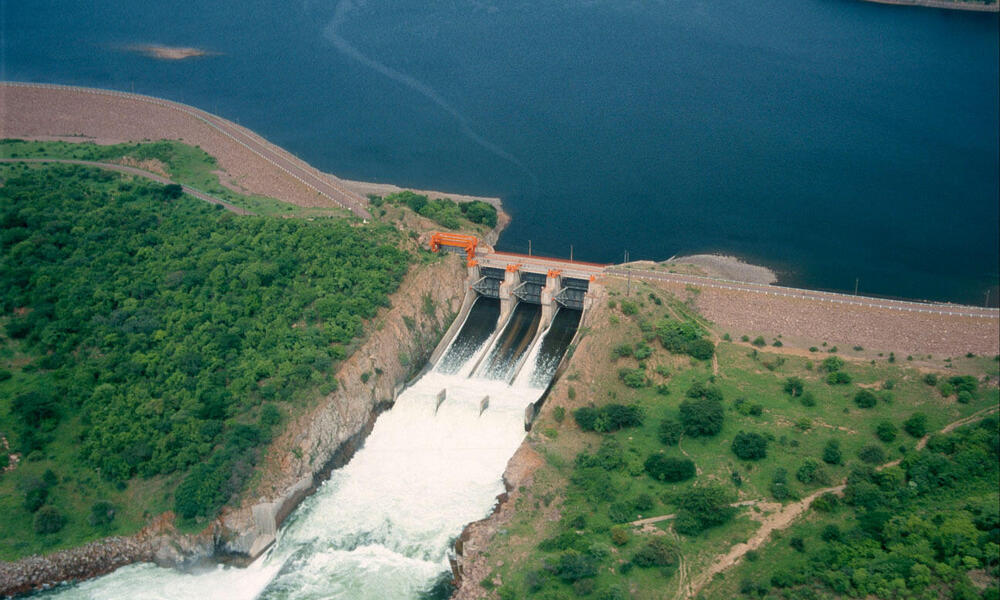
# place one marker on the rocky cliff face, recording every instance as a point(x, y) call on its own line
point(397, 343)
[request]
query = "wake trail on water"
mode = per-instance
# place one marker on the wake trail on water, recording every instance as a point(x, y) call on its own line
point(346, 48)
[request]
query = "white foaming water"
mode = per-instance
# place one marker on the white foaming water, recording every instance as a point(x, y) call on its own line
point(382, 526)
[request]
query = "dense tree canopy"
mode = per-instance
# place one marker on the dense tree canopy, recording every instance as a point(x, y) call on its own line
point(164, 324)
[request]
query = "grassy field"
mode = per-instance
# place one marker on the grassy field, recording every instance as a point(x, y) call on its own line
point(561, 515)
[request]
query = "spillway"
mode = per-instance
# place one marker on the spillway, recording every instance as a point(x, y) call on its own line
point(478, 328)
point(542, 366)
point(382, 526)
point(512, 343)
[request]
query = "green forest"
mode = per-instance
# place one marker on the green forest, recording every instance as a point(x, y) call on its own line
point(149, 336)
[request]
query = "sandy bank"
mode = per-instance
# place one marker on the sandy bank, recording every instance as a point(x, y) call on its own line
point(168, 52)
point(945, 4)
point(716, 266)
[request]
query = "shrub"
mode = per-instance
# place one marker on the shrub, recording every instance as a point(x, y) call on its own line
point(886, 431)
point(794, 386)
point(702, 349)
point(48, 520)
point(269, 415)
point(832, 364)
point(964, 397)
point(916, 425)
point(931, 379)
point(872, 454)
point(620, 535)
point(838, 378)
point(622, 351)
point(643, 502)
point(101, 513)
point(964, 383)
point(797, 543)
point(830, 533)
point(642, 351)
point(658, 552)
point(701, 416)
point(745, 407)
point(629, 308)
point(670, 432)
point(779, 485)
point(559, 414)
point(865, 399)
point(571, 566)
point(607, 418)
point(35, 495)
point(749, 446)
point(703, 507)
point(759, 341)
point(620, 512)
point(808, 399)
point(669, 469)
point(684, 337)
point(811, 472)
point(826, 502)
point(633, 378)
point(744, 338)
point(946, 389)
point(832, 454)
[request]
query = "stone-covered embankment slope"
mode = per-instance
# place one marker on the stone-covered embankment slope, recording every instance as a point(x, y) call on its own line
point(79, 563)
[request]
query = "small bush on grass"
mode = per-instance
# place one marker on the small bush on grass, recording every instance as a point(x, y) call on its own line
point(749, 446)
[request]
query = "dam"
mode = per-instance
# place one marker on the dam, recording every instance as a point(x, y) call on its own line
point(383, 526)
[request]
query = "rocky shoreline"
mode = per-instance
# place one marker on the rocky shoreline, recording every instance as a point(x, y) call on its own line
point(944, 4)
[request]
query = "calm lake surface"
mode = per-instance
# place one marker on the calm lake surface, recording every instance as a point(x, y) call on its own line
point(828, 139)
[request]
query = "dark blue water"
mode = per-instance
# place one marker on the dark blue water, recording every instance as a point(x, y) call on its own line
point(829, 139)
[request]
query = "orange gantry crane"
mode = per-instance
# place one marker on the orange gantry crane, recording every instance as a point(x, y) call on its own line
point(456, 240)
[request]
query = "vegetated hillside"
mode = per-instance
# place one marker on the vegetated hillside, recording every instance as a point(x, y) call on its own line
point(153, 343)
point(662, 417)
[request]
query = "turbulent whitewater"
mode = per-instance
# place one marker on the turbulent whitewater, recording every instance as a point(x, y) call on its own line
point(382, 526)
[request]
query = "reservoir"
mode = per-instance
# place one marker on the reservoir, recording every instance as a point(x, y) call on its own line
point(835, 141)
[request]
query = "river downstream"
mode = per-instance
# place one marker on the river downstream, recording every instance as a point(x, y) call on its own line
point(383, 525)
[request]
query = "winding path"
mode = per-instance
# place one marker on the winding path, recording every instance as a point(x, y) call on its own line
point(134, 171)
point(787, 515)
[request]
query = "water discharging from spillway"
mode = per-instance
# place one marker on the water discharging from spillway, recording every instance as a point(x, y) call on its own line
point(382, 526)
